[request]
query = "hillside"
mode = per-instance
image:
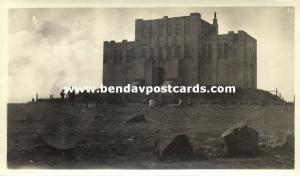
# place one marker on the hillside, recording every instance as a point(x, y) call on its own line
point(242, 96)
point(103, 139)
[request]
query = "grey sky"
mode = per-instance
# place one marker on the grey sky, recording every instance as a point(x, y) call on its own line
point(51, 48)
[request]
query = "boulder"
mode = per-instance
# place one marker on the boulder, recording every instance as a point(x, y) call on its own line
point(137, 118)
point(174, 148)
point(58, 136)
point(241, 140)
point(59, 125)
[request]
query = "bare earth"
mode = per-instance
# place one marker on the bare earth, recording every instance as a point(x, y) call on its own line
point(101, 138)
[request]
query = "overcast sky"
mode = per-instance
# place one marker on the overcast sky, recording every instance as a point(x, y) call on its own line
point(51, 48)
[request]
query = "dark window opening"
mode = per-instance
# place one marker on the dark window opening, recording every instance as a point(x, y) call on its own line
point(169, 30)
point(209, 52)
point(130, 55)
point(161, 29)
point(178, 29)
point(105, 59)
point(158, 76)
point(219, 51)
point(143, 53)
point(160, 53)
point(225, 50)
point(222, 50)
point(119, 56)
point(177, 51)
point(187, 28)
point(152, 30)
point(168, 52)
point(187, 52)
point(152, 53)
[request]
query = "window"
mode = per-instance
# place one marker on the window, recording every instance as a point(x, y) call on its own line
point(251, 53)
point(130, 55)
point(168, 52)
point(143, 31)
point(133, 53)
point(143, 52)
point(209, 50)
point(177, 51)
point(152, 30)
point(180, 70)
point(178, 29)
point(245, 48)
point(222, 50)
point(115, 58)
point(225, 51)
point(169, 29)
point(152, 53)
point(105, 58)
point(187, 27)
point(160, 53)
point(119, 56)
point(219, 50)
point(127, 55)
point(234, 52)
point(187, 52)
point(203, 51)
point(161, 29)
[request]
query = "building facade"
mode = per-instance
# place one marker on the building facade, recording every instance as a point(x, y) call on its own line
point(184, 49)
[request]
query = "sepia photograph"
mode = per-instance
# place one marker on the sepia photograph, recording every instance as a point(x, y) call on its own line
point(151, 88)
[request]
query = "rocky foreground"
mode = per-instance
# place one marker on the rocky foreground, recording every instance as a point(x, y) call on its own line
point(58, 135)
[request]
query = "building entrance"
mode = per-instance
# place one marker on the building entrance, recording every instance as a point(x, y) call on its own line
point(158, 76)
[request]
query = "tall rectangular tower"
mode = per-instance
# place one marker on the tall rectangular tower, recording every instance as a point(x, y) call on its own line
point(185, 49)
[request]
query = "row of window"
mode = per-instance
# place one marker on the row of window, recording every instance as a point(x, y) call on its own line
point(178, 30)
point(223, 49)
point(207, 51)
point(131, 55)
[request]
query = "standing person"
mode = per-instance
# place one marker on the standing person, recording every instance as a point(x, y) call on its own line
point(180, 102)
point(36, 97)
point(86, 98)
point(72, 97)
point(62, 94)
point(189, 101)
point(123, 100)
point(151, 103)
point(69, 96)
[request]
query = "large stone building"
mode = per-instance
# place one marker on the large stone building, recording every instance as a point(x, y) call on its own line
point(184, 49)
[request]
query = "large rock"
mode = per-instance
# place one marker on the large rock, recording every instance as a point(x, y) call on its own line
point(241, 140)
point(174, 148)
point(60, 136)
point(137, 118)
point(58, 125)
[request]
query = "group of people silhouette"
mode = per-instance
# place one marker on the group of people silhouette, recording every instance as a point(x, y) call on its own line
point(69, 96)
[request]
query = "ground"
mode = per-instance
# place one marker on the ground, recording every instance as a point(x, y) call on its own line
point(101, 138)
